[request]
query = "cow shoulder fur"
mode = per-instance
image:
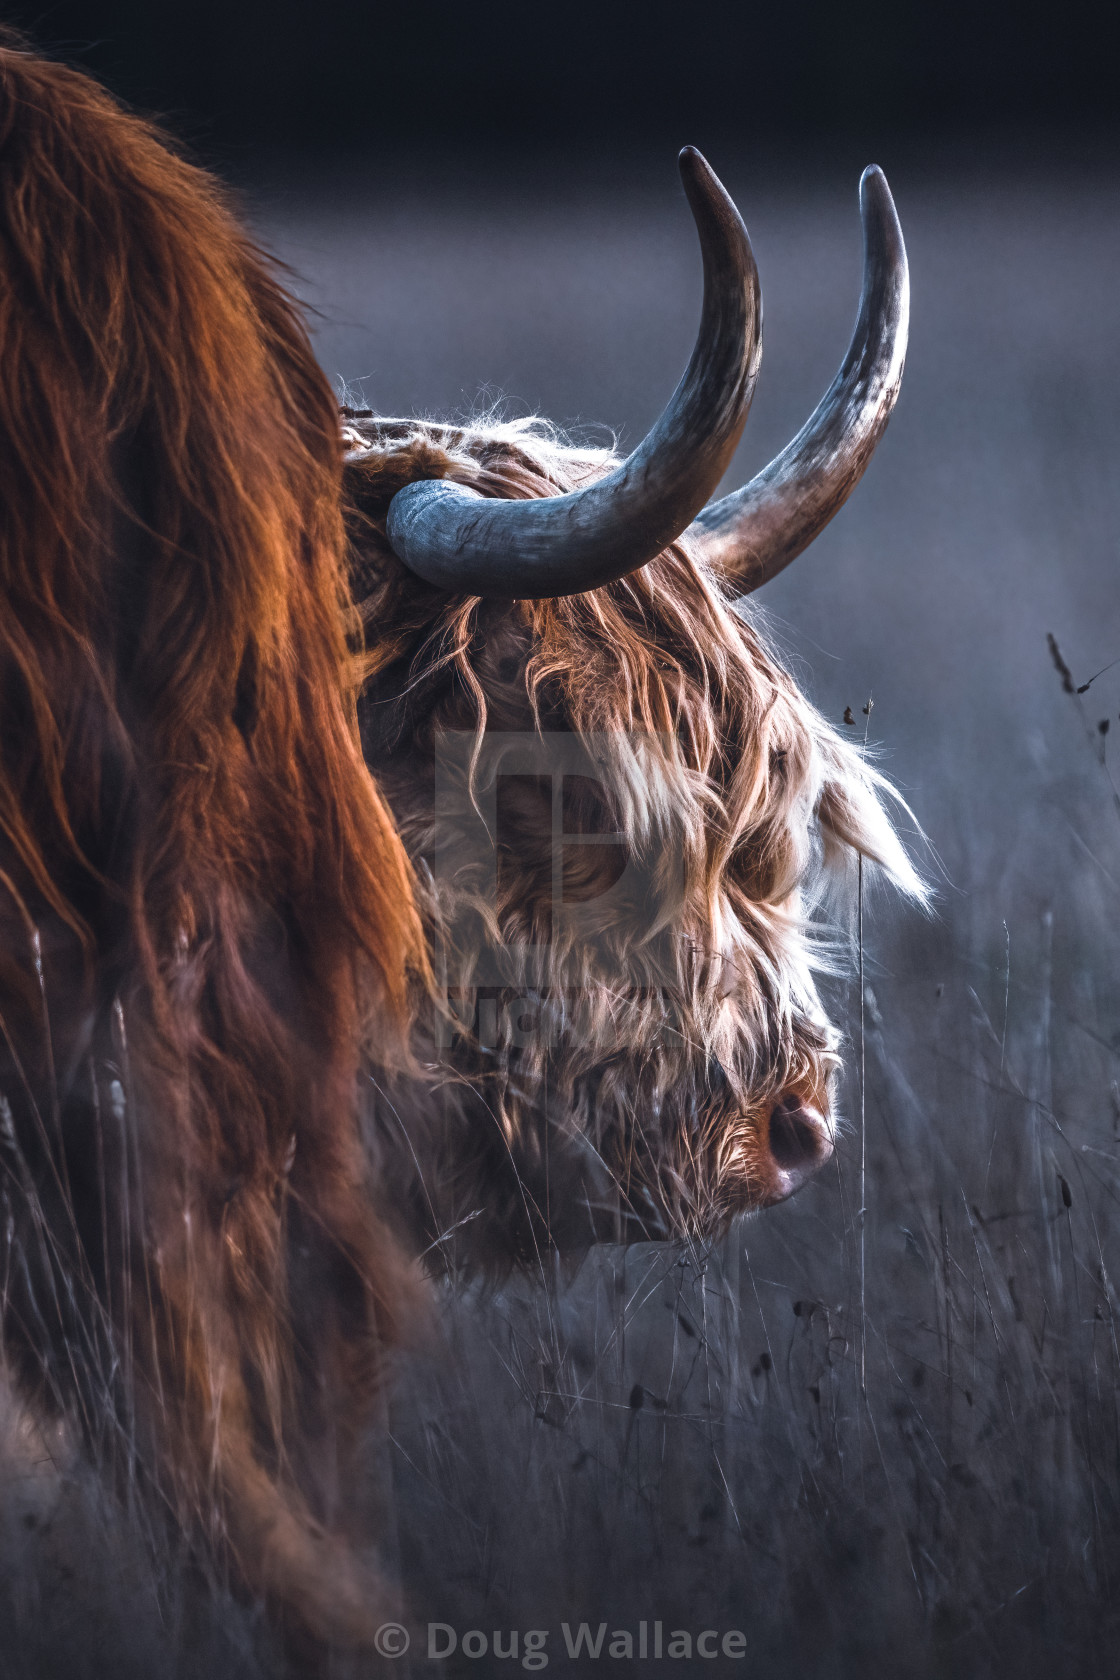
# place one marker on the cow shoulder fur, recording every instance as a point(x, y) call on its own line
point(206, 917)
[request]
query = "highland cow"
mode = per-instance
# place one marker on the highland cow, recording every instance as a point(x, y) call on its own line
point(623, 812)
point(617, 816)
point(205, 913)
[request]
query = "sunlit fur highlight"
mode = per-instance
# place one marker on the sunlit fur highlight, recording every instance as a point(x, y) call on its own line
point(205, 914)
point(673, 1016)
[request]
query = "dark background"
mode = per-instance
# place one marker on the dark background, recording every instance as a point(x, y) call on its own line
point(345, 72)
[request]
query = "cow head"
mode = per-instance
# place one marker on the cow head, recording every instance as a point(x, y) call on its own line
point(623, 812)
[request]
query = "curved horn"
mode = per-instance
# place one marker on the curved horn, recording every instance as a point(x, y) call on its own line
point(561, 545)
point(751, 535)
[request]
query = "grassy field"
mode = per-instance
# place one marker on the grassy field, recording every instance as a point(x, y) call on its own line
point(884, 1446)
point(876, 1430)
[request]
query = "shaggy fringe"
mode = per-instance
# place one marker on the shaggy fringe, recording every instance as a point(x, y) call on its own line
point(669, 1023)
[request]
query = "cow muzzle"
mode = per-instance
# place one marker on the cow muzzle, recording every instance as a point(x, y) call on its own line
point(799, 1142)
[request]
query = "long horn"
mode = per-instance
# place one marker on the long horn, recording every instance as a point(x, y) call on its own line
point(751, 535)
point(561, 545)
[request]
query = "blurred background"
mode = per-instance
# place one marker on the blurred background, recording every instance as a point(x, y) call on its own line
point(345, 73)
point(909, 1464)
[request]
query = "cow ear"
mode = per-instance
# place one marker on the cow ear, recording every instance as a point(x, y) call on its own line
point(854, 819)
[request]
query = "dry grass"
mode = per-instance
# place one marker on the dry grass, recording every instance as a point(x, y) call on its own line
point(684, 1436)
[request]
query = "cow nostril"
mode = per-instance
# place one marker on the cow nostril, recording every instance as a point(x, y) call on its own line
point(795, 1139)
point(800, 1142)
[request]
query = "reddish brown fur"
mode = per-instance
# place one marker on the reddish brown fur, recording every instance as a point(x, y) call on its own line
point(203, 905)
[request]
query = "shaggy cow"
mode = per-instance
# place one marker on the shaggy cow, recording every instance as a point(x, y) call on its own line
point(622, 809)
point(204, 908)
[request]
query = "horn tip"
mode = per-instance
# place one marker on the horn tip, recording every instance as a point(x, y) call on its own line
point(878, 211)
point(873, 188)
point(708, 197)
point(693, 164)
